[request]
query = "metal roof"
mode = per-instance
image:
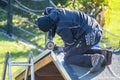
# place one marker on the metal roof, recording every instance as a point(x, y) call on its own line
point(73, 72)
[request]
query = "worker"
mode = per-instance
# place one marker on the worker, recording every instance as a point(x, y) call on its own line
point(79, 32)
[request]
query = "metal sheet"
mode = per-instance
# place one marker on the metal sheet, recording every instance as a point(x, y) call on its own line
point(111, 72)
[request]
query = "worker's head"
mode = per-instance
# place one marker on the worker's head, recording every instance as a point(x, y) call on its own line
point(45, 23)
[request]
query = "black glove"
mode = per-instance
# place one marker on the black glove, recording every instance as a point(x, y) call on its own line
point(58, 49)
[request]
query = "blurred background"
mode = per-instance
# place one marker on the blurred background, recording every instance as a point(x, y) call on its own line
point(19, 36)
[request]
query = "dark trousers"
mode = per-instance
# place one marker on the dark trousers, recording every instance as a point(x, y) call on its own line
point(76, 54)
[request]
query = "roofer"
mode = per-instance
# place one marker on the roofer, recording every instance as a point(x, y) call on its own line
point(80, 33)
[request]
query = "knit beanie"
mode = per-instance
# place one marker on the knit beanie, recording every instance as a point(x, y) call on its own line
point(44, 23)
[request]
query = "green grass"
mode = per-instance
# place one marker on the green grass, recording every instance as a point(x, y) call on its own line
point(113, 24)
point(19, 21)
point(18, 52)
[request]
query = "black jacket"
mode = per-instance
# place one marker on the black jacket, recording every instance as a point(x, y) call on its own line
point(71, 24)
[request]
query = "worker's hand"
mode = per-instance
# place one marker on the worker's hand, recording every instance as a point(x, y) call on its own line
point(58, 49)
point(90, 38)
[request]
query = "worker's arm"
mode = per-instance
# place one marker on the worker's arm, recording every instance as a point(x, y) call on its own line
point(66, 36)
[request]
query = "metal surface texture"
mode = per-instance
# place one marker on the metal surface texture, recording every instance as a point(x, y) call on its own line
point(111, 72)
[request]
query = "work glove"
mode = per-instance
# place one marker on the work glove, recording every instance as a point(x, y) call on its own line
point(90, 38)
point(58, 49)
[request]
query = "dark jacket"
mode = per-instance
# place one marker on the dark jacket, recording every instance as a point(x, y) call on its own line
point(71, 24)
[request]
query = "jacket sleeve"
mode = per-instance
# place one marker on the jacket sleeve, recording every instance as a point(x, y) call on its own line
point(66, 36)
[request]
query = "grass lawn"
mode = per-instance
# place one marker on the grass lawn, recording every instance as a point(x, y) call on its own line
point(113, 24)
point(18, 52)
